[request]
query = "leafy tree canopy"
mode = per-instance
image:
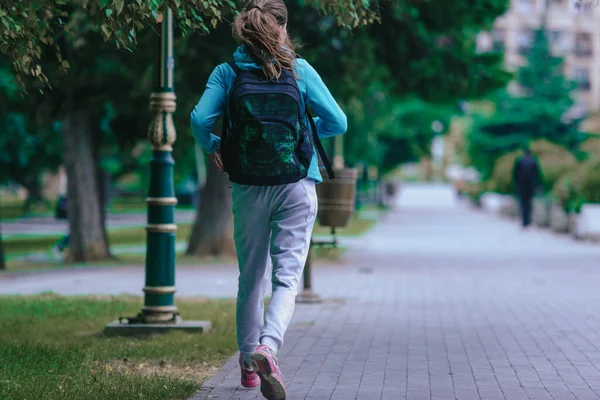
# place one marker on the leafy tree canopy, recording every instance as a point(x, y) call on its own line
point(28, 146)
point(29, 27)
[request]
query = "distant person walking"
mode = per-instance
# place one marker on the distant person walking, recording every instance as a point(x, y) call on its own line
point(266, 147)
point(527, 179)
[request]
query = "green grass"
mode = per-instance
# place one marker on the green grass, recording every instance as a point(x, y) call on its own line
point(13, 208)
point(356, 227)
point(128, 204)
point(51, 348)
point(137, 236)
point(138, 260)
point(127, 259)
point(126, 236)
point(373, 207)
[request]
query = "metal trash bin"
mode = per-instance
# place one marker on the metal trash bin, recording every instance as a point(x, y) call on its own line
point(337, 198)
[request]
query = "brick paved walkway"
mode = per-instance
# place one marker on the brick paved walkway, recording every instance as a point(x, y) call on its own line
point(445, 303)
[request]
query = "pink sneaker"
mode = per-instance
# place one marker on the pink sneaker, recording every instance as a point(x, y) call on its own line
point(249, 377)
point(271, 382)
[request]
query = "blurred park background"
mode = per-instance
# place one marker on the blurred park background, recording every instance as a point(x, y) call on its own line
point(432, 92)
point(435, 91)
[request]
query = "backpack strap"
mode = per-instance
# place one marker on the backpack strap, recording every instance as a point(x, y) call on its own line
point(224, 125)
point(234, 67)
point(225, 122)
point(317, 141)
point(319, 145)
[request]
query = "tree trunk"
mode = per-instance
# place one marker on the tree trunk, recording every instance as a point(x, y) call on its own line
point(103, 184)
point(213, 228)
point(87, 239)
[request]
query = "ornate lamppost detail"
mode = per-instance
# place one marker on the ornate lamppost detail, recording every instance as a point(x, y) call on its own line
point(161, 133)
point(159, 312)
point(159, 298)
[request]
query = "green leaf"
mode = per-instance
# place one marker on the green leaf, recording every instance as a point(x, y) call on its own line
point(118, 5)
point(106, 31)
point(108, 12)
point(65, 64)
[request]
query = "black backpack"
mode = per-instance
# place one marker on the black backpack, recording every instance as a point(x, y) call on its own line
point(264, 140)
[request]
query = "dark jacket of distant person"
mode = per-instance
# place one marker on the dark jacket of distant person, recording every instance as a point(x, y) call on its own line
point(526, 174)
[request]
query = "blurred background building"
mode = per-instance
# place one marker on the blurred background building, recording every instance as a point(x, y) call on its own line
point(573, 32)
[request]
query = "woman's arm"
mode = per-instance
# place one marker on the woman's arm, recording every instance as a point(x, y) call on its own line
point(208, 109)
point(331, 119)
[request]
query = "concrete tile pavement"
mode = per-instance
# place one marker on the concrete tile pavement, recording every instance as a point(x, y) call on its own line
point(437, 302)
point(445, 303)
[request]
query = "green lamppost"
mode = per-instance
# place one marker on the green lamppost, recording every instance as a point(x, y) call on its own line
point(159, 312)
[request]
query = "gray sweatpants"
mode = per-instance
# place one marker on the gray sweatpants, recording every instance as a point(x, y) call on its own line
point(275, 221)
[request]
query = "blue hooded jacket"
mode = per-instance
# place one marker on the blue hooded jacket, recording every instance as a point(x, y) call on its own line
point(330, 120)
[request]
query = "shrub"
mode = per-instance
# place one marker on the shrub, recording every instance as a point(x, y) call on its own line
point(555, 161)
point(582, 185)
point(473, 190)
point(586, 180)
point(591, 147)
point(567, 195)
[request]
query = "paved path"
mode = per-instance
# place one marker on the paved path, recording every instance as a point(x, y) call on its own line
point(206, 280)
point(445, 303)
point(437, 302)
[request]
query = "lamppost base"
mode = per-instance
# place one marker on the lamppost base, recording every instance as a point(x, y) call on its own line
point(121, 328)
point(308, 297)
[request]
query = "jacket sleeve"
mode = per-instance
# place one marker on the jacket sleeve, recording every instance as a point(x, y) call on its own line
point(208, 109)
point(331, 120)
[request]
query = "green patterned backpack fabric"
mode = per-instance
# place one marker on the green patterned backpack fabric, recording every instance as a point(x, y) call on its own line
point(265, 140)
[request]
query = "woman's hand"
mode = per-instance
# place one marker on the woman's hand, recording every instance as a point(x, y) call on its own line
point(216, 160)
